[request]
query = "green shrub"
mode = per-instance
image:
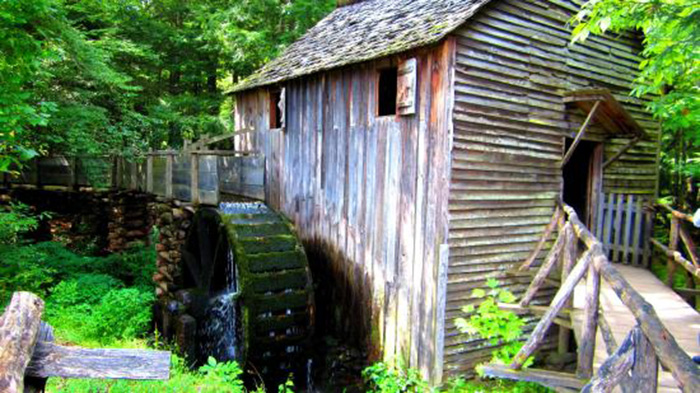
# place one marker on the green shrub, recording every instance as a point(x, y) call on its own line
point(385, 378)
point(499, 327)
point(16, 220)
point(38, 267)
point(22, 270)
point(85, 289)
point(121, 314)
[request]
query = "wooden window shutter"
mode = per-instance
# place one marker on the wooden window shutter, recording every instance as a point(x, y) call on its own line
point(406, 94)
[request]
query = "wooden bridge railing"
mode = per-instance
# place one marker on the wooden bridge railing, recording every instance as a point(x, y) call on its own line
point(28, 355)
point(198, 176)
point(680, 236)
point(634, 363)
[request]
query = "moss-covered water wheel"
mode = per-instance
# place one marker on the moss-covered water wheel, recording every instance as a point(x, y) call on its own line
point(249, 271)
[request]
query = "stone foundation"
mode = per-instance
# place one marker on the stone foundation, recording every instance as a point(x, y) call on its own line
point(173, 219)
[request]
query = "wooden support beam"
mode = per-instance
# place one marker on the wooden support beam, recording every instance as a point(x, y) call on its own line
point(210, 141)
point(581, 133)
point(547, 233)
point(555, 307)
point(19, 330)
point(586, 347)
point(548, 378)
point(608, 337)
point(35, 384)
point(546, 267)
point(670, 354)
point(615, 368)
point(622, 151)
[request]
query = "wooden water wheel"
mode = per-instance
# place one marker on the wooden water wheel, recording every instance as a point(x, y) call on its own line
point(249, 257)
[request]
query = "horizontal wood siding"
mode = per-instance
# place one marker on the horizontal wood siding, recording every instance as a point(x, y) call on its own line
point(514, 62)
point(369, 193)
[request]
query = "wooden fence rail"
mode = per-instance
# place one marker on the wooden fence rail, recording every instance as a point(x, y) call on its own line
point(680, 242)
point(28, 356)
point(650, 342)
point(198, 176)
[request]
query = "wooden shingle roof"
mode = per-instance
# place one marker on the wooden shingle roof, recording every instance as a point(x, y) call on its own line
point(364, 31)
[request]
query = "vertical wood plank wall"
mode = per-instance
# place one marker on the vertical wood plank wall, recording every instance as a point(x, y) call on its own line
point(370, 192)
point(514, 62)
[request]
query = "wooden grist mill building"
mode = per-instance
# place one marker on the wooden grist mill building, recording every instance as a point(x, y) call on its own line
point(422, 147)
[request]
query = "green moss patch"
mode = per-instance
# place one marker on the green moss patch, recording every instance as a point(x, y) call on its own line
point(257, 245)
point(274, 261)
point(260, 230)
point(279, 281)
point(279, 302)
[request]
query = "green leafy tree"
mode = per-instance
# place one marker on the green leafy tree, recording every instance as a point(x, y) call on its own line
point(122, 76)
point(669, 73)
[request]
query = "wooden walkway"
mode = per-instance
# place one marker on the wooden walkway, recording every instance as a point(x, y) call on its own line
point(678, 317)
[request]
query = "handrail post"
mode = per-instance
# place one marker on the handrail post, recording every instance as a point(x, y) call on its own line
point(673, 246)
point(586, 350)
point(568, 258)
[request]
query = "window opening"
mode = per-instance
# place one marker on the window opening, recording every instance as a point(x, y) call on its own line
point(386, 96)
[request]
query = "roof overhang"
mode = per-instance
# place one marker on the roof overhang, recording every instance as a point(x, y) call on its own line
point(610, 114)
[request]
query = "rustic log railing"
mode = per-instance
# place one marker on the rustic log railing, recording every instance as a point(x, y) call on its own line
point(198, 176)
point(634, 363)
point(680, 236)
point(28, 356)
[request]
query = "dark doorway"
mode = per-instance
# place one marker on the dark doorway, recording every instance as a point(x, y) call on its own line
point(582, 178)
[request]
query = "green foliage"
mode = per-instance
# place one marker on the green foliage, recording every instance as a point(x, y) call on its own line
point(39, 267)
point(669, 74)
point(107, 76)
point(499, 327)
point(121, 314)
point(85, 289)
point(461, 385)
point(16, 220)
point(671, 66)
point(385, 378)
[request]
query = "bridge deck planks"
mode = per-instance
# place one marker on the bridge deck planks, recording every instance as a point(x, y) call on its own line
point(678, 317)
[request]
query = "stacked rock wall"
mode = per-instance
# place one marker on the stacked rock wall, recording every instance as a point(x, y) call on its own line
point(173, 219)
point(129, 220)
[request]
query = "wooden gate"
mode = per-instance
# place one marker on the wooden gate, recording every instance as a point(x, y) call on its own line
point(624, 223)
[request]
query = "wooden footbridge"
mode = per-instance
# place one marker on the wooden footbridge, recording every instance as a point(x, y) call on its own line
point(634, 333)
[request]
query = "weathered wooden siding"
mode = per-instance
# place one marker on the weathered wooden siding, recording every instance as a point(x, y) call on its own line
point(514, 61)
point(370, 192)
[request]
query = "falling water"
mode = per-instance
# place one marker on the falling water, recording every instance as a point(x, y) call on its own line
point(221, 330)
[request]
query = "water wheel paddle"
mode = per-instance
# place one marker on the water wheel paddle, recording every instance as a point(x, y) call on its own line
point(250, 273)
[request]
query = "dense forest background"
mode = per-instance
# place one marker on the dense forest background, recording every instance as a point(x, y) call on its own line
point(99, 76)
point(105, 76)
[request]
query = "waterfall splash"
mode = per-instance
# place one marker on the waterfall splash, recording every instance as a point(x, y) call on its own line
point(221, 330)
